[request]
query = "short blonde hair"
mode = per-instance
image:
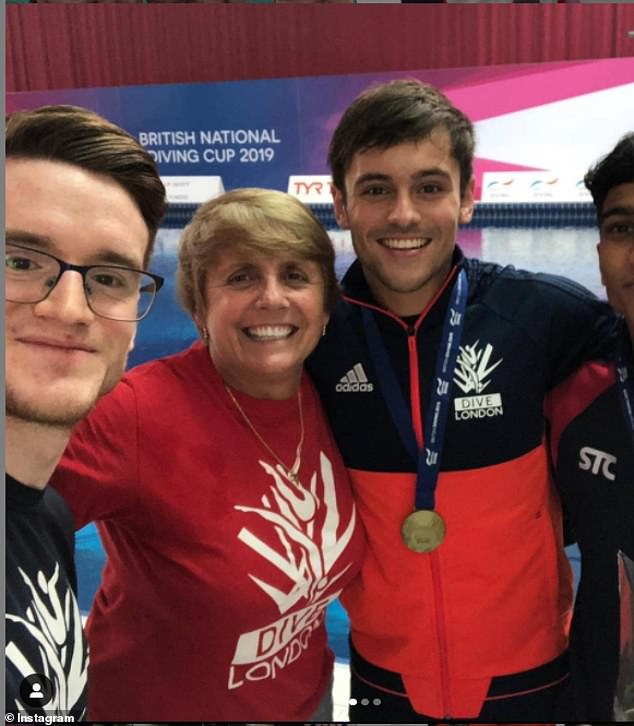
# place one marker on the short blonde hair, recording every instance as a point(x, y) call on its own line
point(260, 220)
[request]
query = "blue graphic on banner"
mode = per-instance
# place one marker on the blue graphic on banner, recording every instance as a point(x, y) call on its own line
point(245, 132)
point(250, 133)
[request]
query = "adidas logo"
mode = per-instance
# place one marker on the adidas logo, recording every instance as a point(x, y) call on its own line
point(355, 381)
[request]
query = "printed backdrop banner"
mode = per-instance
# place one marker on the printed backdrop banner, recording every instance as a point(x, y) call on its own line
point(530, 117)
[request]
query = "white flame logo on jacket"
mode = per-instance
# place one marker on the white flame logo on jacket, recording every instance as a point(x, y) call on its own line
point(52, 616)
point(305, 556)
point(473, 367)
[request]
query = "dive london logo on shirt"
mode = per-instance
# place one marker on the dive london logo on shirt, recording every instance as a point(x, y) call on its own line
point(306, 527)
point(471, 375)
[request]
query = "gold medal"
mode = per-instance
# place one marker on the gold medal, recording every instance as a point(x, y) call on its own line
point(423, 530)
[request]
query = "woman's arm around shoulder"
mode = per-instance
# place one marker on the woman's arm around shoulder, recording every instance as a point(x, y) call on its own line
point(98, 473)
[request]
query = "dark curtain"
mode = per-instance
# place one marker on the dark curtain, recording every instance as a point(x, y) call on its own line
point(52, 46)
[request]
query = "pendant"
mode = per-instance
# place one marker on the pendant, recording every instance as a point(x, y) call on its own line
point(423, 530)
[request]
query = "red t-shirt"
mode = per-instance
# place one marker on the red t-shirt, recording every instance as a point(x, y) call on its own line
point(218, 568)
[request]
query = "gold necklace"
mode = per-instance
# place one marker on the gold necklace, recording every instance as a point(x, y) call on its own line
point(291, 473)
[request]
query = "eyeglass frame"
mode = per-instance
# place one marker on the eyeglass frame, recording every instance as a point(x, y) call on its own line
point(83, 271)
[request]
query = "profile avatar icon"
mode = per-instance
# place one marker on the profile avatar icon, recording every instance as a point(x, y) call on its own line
point(36, 690)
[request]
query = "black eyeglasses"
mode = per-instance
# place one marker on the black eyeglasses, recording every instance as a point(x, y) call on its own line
point(112, 291)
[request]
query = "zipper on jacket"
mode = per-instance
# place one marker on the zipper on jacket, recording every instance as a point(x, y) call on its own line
point(414, 386)
point(417, 422)
point(441, 633)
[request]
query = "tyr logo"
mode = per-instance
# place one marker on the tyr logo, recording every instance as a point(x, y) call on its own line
point(309, 187)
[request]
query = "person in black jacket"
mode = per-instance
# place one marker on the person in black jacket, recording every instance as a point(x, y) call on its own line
point(593, 438)
point(434, 371)
point(83, 204)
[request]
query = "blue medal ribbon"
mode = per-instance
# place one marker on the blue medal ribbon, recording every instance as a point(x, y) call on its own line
point(429, 456)
point(626, 393)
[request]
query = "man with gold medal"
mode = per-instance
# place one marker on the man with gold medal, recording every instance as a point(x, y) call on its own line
point(462, 605)
point(423, 530)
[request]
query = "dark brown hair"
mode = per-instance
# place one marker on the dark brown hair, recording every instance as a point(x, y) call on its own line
point(614, 169)
point(84, 138)
point(397, 112)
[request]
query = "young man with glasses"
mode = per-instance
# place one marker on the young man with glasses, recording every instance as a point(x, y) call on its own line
point(83, 204)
